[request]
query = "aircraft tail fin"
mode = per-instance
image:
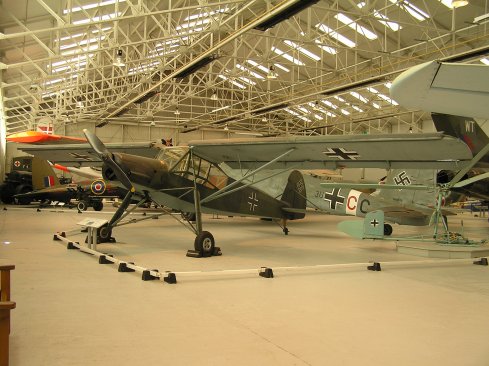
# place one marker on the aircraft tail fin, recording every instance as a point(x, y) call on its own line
point(295, 196)
point(465, 128)
point(43, 174)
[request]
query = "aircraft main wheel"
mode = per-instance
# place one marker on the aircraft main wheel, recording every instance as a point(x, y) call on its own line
point(387, 229)
point(97, 205)
point(104, 234)
point(204, 243)
point(82, 205)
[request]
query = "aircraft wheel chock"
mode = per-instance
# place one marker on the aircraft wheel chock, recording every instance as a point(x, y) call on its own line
point(387, 229)
point(82, 205)
point(97, 205)
point(204, 243)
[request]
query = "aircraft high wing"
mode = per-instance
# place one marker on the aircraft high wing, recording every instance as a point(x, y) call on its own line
point(449, 88)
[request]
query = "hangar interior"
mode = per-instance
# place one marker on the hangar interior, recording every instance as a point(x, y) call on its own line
point(133, 71)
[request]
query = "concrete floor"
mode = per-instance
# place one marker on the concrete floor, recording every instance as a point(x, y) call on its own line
point(73, 311)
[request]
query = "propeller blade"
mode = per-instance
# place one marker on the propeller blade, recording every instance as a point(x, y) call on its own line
point(106, 157)
point(464, 171)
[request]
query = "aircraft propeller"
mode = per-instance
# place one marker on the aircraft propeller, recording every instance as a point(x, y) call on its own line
point(107, 158)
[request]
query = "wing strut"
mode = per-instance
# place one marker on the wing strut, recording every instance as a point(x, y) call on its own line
point(221, 191)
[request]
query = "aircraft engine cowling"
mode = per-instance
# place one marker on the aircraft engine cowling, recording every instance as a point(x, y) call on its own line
point(139, 170)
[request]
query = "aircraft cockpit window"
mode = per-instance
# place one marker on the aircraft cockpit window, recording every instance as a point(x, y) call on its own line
point(173, 156)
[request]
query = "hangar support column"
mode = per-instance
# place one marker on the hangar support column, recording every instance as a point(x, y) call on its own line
point(3, 133)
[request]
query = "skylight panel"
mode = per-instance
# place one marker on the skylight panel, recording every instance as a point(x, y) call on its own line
point(257, 65)
point(76, 59)
point(333, 34)
point(303, 110)
point(357, 108)
point(302, 50)
point(70, 66)
point(388, 85)
point(92, 6)
point(355, 26)
point(221, 108)
point(206, 14)
point(291, 112)
point(287, 56)
point(142, 68)
point(328, 49)
point(282, 67)
point(345, 112)
point(193, 24)
point(411, 9)
point(359, 97)
point(376, 105)
point(239, 85)
point(485, 61)
point(381, 18)
point(251, 72)
point(387, 99)
point(337, 97)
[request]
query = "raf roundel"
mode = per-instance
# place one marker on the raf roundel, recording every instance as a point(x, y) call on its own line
point(98, 187)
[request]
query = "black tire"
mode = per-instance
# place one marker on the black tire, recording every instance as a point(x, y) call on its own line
point(22, 189)
point(204, 244)
point(104, 233)
point(82, 205)
point(7, 192)
point(387, 229)
point(97, 205)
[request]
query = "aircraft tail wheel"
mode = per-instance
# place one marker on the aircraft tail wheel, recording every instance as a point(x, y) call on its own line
point(98, 205)
point(204, 243)
point(387, 229)
point(104, 233)
point(82, 205)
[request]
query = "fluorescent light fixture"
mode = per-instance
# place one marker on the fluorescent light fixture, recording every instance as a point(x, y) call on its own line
point(251, 72)
point(388, 85)
point(80, 50)
point(97, 18)
point(282, 67)
point(302, 50)
point(247, 80)
point(328, 49)
point(193, 24)
point(414, 11)
point(221, 108)
point(355, 26)
point(206, 14)
point(239, 85)
point(335, 35)
point(458, 3)
point(359, 97)
point(54, 81)
point(287, 56)
point(257, 65)
point(329, 104)
point(81, 43)
point(485, 61)
point(92, 6)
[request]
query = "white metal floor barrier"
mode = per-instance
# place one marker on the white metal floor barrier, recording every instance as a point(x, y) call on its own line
point(266, 272)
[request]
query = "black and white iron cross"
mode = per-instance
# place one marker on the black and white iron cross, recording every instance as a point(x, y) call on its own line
point(334, 198)
point(374, 223)
point(340, 153)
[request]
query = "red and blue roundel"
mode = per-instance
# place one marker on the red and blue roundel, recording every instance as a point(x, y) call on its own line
point(98, 187)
